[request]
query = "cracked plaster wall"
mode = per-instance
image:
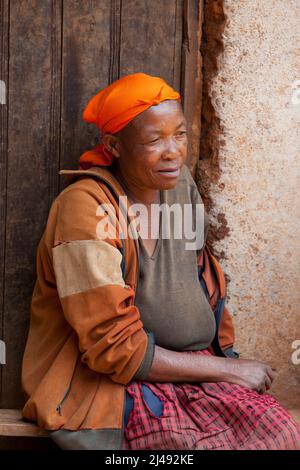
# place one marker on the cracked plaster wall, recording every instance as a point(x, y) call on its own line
point(249, 173)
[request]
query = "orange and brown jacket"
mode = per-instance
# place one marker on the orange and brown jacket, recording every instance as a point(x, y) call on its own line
point(86, 340)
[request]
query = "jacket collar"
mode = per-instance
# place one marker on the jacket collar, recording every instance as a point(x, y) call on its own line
point(106, 177)
point(100, 172)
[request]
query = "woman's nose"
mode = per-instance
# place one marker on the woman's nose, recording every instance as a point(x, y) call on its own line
point(170, 150)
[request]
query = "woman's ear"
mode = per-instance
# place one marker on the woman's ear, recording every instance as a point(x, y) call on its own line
point(112, 143)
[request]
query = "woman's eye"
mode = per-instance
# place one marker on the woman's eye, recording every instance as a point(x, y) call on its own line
point(153, 141)
point(180, 135)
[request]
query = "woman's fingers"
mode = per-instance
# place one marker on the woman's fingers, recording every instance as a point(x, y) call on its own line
point(268, 383)
point(262, 389)
point(272, 373)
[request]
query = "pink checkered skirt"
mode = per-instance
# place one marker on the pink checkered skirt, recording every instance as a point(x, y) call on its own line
point(208, 416)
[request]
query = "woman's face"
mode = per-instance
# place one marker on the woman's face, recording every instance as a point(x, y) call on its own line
point(152, 148)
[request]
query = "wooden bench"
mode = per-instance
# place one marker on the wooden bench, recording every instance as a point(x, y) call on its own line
point(13, 425)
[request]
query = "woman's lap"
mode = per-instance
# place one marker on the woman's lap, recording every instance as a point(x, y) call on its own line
point(206, 416)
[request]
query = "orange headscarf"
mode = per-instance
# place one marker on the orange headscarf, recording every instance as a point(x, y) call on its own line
point(116, 105)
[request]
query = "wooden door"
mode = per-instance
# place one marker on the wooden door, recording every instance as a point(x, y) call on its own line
point(54, 56)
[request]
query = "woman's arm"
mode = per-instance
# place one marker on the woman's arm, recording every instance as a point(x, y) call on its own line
point(173, 366)
point(95, 300)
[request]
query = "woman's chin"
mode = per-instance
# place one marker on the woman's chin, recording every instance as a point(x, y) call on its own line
point(165, 186)
point(166, 180)
point(170, 185)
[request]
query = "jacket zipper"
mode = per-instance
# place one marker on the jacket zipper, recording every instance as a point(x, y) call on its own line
point(58, 408)
point(123, 416)
point(116, 196)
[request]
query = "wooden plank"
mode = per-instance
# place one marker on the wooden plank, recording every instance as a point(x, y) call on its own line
point(32, 180)
point(90, 39)
point(191, 86)
point(178, 37)
point(115, 28)
point(151, 38)
point(12, 424)
point(4, 22)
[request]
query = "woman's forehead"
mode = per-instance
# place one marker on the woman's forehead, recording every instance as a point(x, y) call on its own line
point(167, 112)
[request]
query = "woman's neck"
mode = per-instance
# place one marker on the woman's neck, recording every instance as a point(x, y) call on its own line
point(137, 195)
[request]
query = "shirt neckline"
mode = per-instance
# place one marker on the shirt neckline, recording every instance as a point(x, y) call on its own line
point(158, 242)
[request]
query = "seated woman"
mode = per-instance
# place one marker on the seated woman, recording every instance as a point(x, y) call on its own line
point(130, 344)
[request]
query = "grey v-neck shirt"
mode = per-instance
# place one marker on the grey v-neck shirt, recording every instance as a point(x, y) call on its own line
point(171, 301)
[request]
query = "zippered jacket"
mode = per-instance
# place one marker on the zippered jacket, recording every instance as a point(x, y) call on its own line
point(86, 340)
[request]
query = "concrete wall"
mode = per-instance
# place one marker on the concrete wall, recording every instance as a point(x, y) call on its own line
point(249, 173)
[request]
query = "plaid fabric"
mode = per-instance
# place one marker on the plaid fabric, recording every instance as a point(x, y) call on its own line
point(207, 416)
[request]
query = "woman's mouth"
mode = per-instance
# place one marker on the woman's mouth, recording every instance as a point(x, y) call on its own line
point(170, 172)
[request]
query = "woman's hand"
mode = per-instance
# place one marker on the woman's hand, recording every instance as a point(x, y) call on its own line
point(255, 375)
point(173, 366)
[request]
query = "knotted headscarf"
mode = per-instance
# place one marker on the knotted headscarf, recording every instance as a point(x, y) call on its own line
point(119, 103)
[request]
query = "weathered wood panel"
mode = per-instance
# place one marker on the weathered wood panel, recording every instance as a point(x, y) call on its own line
point(90, 32)
point(33, 98)
point(150, 35)
point(55, 55)
point(191, 86)
point(4, 25)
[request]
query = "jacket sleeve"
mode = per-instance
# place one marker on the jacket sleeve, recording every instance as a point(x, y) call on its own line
point(208, 267)
point(226, 331)
point(95, 299)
